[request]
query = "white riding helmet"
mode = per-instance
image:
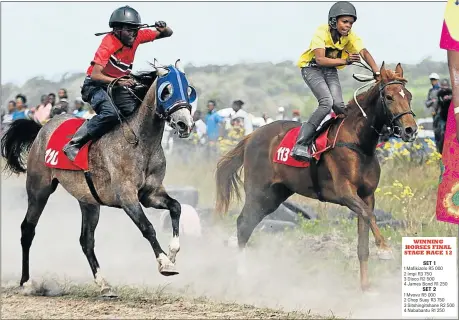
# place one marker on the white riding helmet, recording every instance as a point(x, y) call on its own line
point(434, 76)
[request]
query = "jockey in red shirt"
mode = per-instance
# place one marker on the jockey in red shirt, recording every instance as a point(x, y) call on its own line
point(113, 59)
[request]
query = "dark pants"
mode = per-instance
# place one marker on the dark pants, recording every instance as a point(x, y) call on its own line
point(106, 116)
point(324, 84)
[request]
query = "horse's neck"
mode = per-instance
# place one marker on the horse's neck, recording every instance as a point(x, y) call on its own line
point(366, 129)
point(148, 128)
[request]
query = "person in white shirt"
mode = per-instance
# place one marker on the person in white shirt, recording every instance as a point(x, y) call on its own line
point(239, 113)
point(280, 113)
point(200, 126)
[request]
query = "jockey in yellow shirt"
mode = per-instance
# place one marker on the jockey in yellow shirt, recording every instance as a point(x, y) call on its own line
point(333, 46)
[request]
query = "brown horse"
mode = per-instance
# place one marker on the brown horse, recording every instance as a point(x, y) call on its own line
point(347, 174)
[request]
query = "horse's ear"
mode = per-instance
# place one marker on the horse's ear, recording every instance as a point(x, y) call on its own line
point(179, 66)
point(399, 70)
point(382, 71)
point(161, 71)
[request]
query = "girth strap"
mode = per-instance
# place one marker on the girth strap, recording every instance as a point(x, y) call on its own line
point(87, 175)
point(315, 179)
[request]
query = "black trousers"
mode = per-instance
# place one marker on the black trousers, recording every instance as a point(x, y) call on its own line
point(95, 93)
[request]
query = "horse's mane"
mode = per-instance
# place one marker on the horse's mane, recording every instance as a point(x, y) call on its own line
point(146, 78)
point(369, 94)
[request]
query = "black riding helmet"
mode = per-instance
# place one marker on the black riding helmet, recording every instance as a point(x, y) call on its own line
point(125, 16)
point(341, 8)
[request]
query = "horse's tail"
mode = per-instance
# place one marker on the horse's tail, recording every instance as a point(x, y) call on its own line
point(228, 178)
point(18, 139)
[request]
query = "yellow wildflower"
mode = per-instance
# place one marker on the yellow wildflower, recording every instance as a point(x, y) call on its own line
point(397, 184)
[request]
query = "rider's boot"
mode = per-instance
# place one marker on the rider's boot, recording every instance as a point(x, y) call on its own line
point(300, 150)
point(72, 147)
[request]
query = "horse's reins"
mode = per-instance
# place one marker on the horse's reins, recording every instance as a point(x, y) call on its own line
point(370, 81)
point(118, 113)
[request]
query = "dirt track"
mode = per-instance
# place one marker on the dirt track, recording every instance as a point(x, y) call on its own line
point(16, 306)
point(278, 277)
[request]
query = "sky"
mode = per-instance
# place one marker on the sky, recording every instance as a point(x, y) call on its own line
point(49, 39)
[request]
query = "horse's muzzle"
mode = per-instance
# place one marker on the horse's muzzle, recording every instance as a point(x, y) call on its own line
point(409, 134)
point(183, 130)
point(182, 122)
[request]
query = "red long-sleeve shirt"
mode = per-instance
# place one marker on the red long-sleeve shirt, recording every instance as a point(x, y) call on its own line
point(117, 59)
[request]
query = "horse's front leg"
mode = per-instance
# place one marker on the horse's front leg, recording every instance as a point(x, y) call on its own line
point(366, 220)
point(384, 251)
point(130, 203)
point(159, 199)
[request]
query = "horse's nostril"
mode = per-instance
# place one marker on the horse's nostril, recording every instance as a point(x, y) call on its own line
point(181, 125)
point(409, 130)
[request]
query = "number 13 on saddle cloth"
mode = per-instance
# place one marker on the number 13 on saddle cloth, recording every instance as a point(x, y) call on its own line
point(447, 208)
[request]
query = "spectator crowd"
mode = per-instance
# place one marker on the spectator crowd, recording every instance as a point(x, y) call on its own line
point(50, 105)
point(216, 129)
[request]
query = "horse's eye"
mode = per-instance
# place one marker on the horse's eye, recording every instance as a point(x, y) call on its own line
point(165, 91)
point(388, 97)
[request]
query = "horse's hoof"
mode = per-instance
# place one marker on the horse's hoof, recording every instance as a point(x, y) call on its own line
point(385, 254)
point(29, 288)
point(369, 292)
point(108, 293)
point(168, 270)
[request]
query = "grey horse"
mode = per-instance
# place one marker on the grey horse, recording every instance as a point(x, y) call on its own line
point(124, 175)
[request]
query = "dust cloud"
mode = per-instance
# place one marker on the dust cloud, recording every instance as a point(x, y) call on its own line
point(277, 276)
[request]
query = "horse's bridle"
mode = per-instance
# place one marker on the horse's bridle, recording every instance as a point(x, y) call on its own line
point(390, 118)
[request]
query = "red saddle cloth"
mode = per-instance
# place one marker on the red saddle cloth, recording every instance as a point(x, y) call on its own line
point(320, 144)
point(56, 158)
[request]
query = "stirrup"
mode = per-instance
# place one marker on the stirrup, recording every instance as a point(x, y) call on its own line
point(299, 154)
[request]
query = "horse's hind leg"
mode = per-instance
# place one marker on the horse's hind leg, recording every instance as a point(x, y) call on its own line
point(39, 188)
point(258, 204)
point(89, 220)
point(159, 199)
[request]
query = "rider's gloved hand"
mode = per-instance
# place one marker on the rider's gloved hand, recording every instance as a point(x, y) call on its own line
point(338, 110)
point(127, 82)
point(160, 25)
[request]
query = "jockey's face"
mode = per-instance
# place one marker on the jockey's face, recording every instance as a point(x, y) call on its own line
point(344, 25)
point(127, 34)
